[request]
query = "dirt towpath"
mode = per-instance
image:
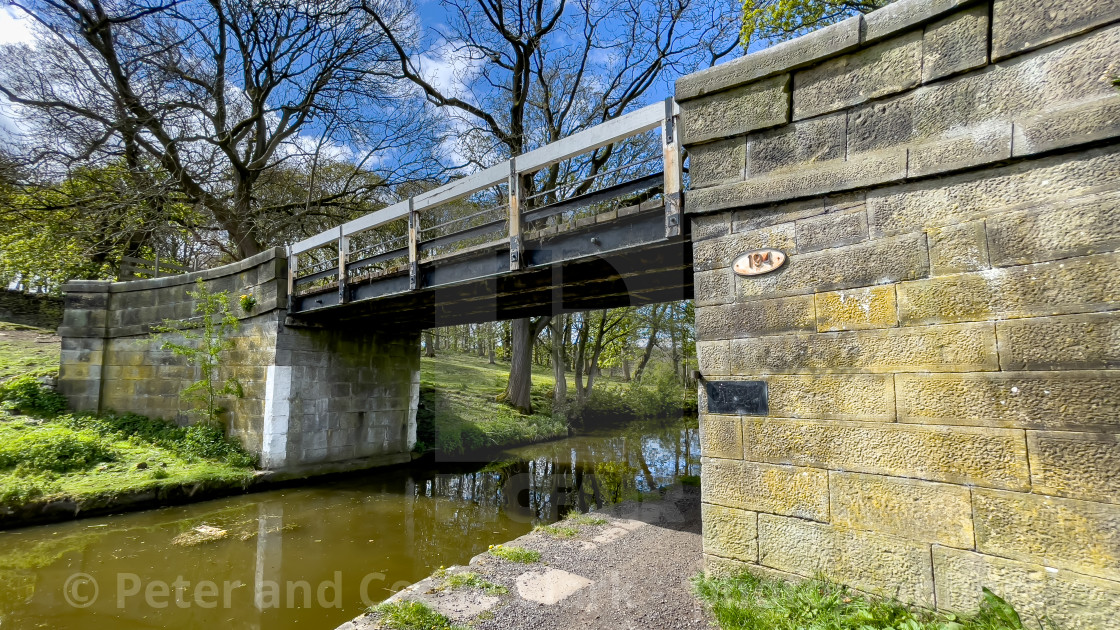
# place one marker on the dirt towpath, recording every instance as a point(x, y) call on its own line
point(633, 571)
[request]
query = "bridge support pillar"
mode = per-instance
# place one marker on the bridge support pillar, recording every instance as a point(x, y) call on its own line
point(314, 399)
point(921, 402)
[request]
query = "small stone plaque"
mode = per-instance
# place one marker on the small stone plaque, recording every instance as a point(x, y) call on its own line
point(758, 262)
point(740, 398)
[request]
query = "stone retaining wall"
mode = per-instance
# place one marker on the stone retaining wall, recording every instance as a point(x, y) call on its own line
point(42, 311)
point(944, 412)
point(340, 398)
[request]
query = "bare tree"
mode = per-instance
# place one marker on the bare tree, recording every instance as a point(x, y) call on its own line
point(533, 71)
point(217, 95)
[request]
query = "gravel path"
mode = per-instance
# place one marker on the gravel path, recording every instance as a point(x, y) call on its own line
point(633, 572)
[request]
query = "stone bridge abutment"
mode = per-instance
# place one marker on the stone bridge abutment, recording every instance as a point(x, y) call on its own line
point(315, 399)
point(939, 350)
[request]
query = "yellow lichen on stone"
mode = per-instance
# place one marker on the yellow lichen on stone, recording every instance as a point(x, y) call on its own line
point(856, 309)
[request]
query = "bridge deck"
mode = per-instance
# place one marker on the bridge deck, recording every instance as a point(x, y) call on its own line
point(591, 242)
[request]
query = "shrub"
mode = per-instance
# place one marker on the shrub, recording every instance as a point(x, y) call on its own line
point(659, 395)
point(208, 441)
point(25, 394)
point(198, 441)
point(616, 480)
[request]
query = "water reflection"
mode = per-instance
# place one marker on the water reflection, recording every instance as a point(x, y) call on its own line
point(314, 556)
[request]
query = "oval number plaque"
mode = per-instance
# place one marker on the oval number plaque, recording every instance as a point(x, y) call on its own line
point(758, 262)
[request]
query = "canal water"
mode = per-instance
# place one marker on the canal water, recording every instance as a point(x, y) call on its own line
point(317, 555)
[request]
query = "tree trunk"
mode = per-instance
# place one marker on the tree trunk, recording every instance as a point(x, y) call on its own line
point(593, 370)
point(559, 372)
point(581, 356)
point(654, 329)
point(233, 223)
point(524, 333)
point(429, 344)
point(626, 369)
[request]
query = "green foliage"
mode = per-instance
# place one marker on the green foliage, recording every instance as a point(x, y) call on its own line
point(412, 616)
point(614, 478)
point(469, 579)
point(519, 555)
point(658, 395)
point(23, 489)
point(58, 449)
point(199, 441)
point(204, 343)
point(81, 227)
point(247, 302)
point(56, 458)
point(749, 602)
point(25, 394)
point(778, 20)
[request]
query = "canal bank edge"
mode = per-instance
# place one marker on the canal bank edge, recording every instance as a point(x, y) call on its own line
point(632, 570)
point(939, 349)
point(42, 512)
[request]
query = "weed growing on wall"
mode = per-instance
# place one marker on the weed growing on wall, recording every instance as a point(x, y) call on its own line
point(750, 602)
point(206, 338)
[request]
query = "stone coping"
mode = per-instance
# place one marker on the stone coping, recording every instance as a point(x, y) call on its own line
point(831, 41)
point(108, 286)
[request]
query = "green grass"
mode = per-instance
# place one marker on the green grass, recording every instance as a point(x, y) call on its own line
point(20, 352)
point(557, 531)
point(92, 459)
point(412, 616)
point(587, 519)
point(748, 602)
point(460, 412)
point(519, 555)
point(469, 579)
point(106, 466)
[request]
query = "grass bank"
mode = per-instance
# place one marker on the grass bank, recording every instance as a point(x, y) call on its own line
point(91, 461)
point(25, 348)
point(459, 411)
point(749, 602)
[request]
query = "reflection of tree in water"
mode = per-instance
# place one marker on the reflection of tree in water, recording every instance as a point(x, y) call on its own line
point(541, 483)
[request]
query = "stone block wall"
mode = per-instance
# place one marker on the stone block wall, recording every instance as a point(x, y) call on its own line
point(43, 311)
point(313, 397)
point(940, 348)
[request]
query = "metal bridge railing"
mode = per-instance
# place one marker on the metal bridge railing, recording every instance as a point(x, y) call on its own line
point(514, 174)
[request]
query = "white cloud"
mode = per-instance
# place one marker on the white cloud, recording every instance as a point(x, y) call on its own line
point(15, 27)
point(450, 68)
